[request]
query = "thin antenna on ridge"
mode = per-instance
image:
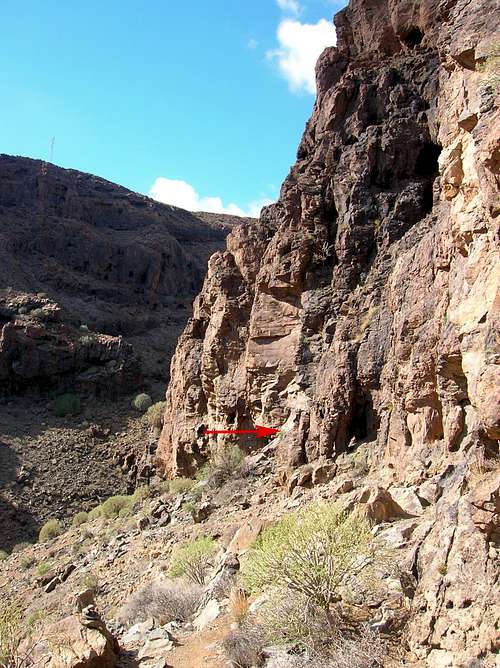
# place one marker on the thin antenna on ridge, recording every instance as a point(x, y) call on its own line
point(52, 141)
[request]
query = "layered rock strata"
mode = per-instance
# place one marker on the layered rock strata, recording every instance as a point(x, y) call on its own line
point(84, 262)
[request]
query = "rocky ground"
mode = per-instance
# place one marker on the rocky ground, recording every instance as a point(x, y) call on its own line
point(56, 466)
point(116, 558)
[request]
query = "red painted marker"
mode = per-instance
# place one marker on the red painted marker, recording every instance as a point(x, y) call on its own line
point(259, 431)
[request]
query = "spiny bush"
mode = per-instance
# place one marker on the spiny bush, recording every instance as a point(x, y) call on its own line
point(180, 485)
point(142, 402)
point(95, 513)
point(227, 461)
point(162, 601)
point(17, 642)
point(154, 414)
point(364, 650)
point(80, 518)
point(50, 530)
point(141, 494)
point(19, 547)
point(42, 568)
point(244, 648)
point(27, 561)
point(291, 618)
point(115, 505)
point(3, 555)
point(193, 559)
point(316, 551)
point(10, 635)
point(67, 404)
point(238, 605)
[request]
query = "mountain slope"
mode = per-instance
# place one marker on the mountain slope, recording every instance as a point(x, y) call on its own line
point(105, 258)
point(96, 283)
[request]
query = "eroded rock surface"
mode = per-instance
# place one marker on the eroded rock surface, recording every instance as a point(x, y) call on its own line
point(360, 314)
point(96, 281)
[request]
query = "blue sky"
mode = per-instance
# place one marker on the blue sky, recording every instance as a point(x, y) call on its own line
point(183, 100)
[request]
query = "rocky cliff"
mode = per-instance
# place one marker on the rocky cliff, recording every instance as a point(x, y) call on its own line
point(360, 314)
point(96, 281)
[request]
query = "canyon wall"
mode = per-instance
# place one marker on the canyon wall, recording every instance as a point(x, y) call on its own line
point(96, 281)
point(360, 313)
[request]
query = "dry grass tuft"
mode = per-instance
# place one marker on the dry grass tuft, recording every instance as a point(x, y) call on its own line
point(163, 601)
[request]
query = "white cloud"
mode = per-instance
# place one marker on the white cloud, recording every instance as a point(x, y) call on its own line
point(182, 194)
point(300, 45)
point(291, 6)
point(252, 43)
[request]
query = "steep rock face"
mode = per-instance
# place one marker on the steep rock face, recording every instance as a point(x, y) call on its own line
point(77, 251)
point(363, 307)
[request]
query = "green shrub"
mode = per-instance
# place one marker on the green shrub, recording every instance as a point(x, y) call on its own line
point(142, 402)
point(180, 485)
point(155, 413)
point(113, 506)
point(189, 507)
point(39, 313)
point(79, 519)
point(26, 562)
point(89, 581)
point(42, 568)
point(193, 559)
point(3, 555)
point(50, 530)
point(34, 618)
point(67, 404)
point(227, 461)
point(318, 551)
point(95, 513)
point(141, 494)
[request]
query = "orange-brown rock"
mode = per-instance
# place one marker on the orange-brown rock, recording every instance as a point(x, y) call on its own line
point(363, 307)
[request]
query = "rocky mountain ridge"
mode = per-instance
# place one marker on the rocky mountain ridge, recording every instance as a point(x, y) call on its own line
point(360, 314)
point(96, 283)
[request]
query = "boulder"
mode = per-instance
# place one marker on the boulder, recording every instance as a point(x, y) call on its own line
point(207, 615)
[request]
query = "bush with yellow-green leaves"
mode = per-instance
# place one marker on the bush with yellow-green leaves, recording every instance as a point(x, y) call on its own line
point(49, 531)
point(79, 519)
point(193, 559)
point(316, 552)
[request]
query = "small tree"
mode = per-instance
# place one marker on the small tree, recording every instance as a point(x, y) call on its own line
point(193, 559)
point(315, 552)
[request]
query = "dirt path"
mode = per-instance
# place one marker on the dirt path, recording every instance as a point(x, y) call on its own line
point(201, 649)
